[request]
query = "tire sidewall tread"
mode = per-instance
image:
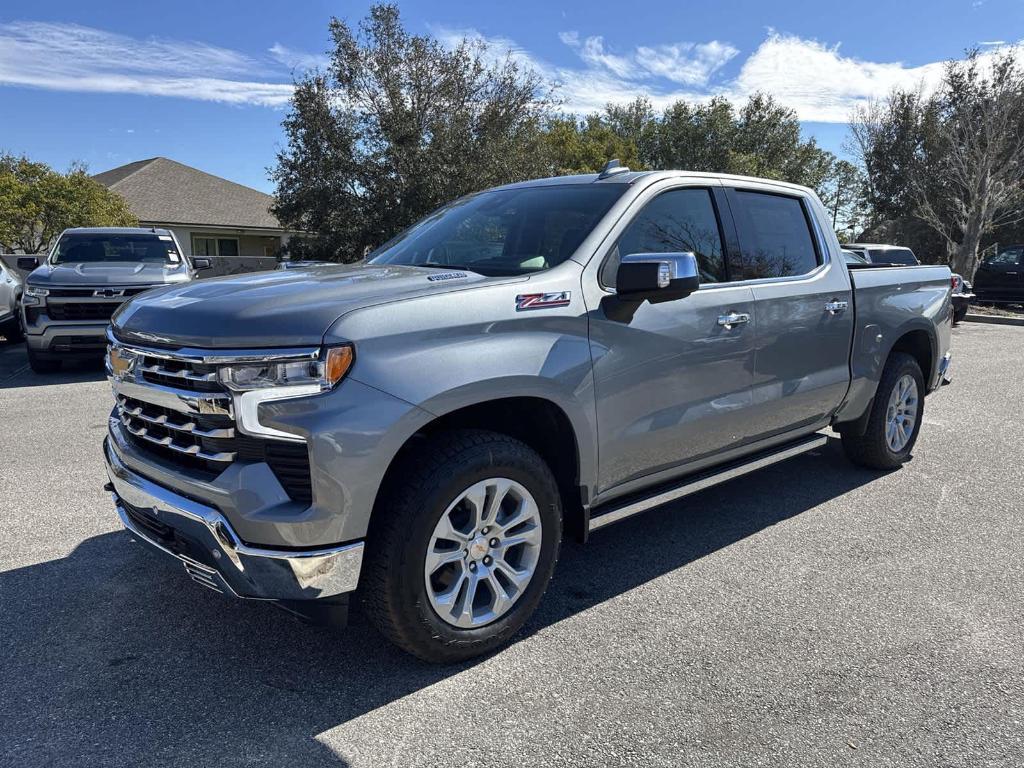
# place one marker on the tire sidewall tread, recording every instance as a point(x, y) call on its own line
point(392, 588)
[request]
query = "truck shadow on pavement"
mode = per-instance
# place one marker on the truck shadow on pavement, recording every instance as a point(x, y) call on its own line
point(15, 373)
point(111, 656)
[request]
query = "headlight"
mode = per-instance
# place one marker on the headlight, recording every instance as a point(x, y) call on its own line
point(324, 373)
point(33, 296)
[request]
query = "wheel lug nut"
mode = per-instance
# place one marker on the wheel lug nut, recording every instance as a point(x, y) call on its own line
point(487, 560)
point(494, 542)
point(485, 530)
point(472, 566)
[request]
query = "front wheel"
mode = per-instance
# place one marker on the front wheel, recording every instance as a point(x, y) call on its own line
point(462, 549)
point(42, 365)
point(895, 418)
point(11, 330)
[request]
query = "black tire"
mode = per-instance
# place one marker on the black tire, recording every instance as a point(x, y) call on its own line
point(392, 587)
point(42, 365)
point(11, 330)
point(872, 449)
point(959, 315)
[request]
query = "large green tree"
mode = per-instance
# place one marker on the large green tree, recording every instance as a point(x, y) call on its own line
point(37, 203)
point(585, 146)
point(760, 138)
point(397, 125)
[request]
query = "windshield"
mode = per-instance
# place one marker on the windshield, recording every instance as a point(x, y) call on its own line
point(903, 256)
point(91, 247)
point(503, 232)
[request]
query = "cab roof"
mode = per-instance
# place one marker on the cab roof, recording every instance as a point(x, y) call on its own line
point(116, 231)
point(630, 177)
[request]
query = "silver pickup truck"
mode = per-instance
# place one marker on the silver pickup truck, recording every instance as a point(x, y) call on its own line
point(542, 358)
point(68, 299)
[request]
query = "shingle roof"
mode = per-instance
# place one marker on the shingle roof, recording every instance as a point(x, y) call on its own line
point(163, 191)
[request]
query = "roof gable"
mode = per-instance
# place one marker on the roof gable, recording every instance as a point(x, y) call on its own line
point(163, 191)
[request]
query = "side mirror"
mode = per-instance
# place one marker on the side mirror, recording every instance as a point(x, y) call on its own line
point(28, 263)
point(657, 276)
point(201, 263)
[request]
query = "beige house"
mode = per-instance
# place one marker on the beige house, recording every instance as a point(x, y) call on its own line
point(209, 215)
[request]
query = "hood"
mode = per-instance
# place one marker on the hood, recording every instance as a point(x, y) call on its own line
point(288, 308)
point(103, 273)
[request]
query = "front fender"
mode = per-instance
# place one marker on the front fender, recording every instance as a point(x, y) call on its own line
point(435, 354)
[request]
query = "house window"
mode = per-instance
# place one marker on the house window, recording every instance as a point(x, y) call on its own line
point(203, 245)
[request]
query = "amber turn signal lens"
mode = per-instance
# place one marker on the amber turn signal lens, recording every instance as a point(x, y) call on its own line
point(337, 363)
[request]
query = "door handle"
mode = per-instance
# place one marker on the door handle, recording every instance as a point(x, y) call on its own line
point(733, 318)
point(835, 307)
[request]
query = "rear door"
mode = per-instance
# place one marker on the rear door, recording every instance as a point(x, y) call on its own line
point(803, 304)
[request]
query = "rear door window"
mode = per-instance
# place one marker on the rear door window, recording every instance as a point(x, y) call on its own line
point(775, 236)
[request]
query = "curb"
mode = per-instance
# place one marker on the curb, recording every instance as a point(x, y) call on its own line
point(994, 319)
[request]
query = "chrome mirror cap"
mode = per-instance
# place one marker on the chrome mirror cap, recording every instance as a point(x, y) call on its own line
point(657, 276)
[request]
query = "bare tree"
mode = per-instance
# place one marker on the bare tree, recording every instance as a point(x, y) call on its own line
point(982, 184)
point(954, 160)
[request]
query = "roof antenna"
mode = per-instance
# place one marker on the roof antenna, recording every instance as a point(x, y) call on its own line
point(611, 168)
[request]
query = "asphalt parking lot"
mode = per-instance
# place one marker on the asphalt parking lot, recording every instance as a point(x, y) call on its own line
point(812, 614)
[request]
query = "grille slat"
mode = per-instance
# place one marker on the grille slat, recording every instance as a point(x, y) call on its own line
point(207, 444)
point(95, 310)
point(160, 417)
point(180, 374)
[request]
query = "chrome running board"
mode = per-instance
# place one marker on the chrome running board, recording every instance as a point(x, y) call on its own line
point(616, 511)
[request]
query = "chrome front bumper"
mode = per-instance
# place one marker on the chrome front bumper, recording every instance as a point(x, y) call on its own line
point(203, 540)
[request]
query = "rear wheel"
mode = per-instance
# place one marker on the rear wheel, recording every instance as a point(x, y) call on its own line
point(895, 418)
point(463, 547)
point(41, 364)
point(959, 314)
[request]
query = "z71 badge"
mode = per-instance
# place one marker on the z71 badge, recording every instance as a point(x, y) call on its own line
point(526, 301)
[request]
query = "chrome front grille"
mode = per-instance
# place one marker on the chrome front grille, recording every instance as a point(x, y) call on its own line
point(176, 410)
point(179, 373)
point(177, 432)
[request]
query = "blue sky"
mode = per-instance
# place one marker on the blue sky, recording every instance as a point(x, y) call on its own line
point(207, 83)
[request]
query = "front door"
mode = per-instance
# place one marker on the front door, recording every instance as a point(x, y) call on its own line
point(672, 379)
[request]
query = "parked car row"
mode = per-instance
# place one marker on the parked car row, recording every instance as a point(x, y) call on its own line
point(1000, 278)
point(10, 298)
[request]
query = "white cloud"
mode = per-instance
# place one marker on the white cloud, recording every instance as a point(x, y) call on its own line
point(593, 53)
point(298, 60)
point(686, 63)
point(813, 78)
point(810, 77)
point(70, 57)
point(820, 83)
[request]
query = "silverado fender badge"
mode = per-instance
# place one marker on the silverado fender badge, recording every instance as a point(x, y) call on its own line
point(447, 276)
point(526, 301)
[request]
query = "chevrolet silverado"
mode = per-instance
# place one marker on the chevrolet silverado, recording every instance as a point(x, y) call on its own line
point(419, 429)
